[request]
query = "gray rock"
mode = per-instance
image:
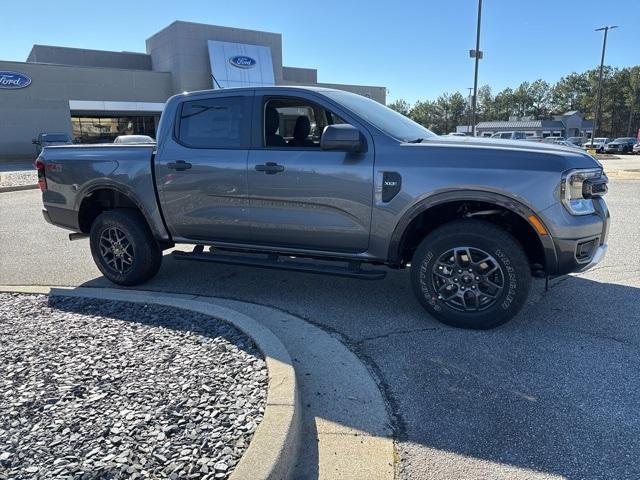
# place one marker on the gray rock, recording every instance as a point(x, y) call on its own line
point(93, 389)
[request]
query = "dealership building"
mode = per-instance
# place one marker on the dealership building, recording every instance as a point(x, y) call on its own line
point(568, 124)
point(94, 95)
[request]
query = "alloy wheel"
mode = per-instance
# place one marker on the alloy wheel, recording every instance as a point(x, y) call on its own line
point(116, 250)
point(468, 279)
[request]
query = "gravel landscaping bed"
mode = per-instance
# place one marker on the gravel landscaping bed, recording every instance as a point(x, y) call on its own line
point(18, 179)
point(105, 390)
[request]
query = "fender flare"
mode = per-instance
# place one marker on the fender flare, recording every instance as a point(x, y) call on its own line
point(158, 230)
point(498, 199)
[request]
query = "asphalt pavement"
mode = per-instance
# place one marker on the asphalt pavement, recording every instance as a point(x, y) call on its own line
point(552, 394)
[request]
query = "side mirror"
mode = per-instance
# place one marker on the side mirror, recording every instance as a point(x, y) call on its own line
point(343, 137)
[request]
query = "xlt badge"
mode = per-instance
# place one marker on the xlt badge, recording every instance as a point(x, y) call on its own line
point(391, 185)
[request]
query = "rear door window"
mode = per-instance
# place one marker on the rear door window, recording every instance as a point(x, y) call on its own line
point(214, 123)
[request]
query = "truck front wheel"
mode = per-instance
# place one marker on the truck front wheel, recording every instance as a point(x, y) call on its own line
point(471, 274)
point(123, 247)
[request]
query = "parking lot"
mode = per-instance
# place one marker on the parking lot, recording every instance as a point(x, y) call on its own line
point(552, 394)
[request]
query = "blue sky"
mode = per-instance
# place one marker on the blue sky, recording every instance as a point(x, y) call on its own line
point(417, 49)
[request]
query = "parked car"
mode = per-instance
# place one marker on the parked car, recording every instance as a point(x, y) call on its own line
point(599, 144)
point(566, 143)
point(46, 139)
point(552, 139)
point(621, 145)
point(375, 189)
point(510, 135)
point(636, 148)
point(457, 134)
point(134, 139)
point(577, 141)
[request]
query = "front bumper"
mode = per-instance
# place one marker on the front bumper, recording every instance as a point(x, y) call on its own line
point(588, 248)
point(597, 257)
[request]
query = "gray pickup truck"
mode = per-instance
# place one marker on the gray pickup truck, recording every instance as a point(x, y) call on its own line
point(325, 181)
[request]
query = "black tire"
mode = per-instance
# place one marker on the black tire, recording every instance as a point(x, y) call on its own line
point(471, 239)
point(137, 262)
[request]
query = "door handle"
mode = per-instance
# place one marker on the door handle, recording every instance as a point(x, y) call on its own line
point(270, 168)
point(179, 165)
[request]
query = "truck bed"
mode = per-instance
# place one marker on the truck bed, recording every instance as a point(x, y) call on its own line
point(74, 172)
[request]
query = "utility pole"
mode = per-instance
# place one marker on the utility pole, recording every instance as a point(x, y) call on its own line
point(469, 110)
point(477, 54)
point(604, 47)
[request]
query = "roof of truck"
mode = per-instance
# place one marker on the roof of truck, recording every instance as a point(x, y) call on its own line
point(268, 87)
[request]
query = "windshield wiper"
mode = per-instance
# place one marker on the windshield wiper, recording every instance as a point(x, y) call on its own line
point(416, 140)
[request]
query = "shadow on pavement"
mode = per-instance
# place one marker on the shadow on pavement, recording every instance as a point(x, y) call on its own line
point(553, 392)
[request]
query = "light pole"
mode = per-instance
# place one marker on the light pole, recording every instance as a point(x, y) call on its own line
point(477, 54)
point(469, 110)
point(604, 47)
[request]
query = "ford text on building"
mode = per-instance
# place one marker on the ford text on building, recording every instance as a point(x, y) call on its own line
point(97, 95)
point(242, 62)
point(13, 80)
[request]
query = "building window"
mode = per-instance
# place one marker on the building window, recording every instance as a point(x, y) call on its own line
point(98, 129)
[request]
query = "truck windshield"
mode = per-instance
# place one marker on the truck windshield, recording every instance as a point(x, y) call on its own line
point(389, 121)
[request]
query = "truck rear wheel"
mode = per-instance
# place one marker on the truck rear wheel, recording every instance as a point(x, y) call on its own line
point(123, 247)
point(471, 274)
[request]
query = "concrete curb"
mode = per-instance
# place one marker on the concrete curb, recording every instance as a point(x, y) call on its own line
point(272, 451)
point(623, 174)
point(18, 188)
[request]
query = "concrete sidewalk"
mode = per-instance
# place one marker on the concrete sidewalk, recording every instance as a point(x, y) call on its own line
point(627, 163)
point(342, 427)
point(17, 176)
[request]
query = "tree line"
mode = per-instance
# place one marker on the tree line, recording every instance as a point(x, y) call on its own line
point(619, 111)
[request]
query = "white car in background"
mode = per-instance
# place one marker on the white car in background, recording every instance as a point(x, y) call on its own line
point(552, 139)
point(566, 143)
point(510, 135)
point(599, 144)
point(134, 139)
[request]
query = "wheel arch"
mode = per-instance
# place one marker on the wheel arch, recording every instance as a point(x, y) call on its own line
point(101, 197)
point(429, 213)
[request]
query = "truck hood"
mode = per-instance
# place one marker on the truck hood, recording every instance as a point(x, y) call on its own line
point(561, 157)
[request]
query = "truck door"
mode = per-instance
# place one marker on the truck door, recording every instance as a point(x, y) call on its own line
point(299, 195)
point(201, 168)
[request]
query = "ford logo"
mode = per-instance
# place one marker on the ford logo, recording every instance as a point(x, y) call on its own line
point(242, 61)
point(13, 80)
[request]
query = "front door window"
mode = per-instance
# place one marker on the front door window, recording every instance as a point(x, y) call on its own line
point(295, 123)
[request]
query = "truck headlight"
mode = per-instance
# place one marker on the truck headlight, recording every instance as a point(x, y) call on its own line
point(579, 187)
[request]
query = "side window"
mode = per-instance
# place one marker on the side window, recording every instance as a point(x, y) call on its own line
point(295, 123)
point(214, 123)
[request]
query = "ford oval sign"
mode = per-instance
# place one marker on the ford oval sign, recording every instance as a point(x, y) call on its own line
point(242, 61)
point(13, 80)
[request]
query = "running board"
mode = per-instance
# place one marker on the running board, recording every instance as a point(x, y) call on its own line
point(353, 270)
